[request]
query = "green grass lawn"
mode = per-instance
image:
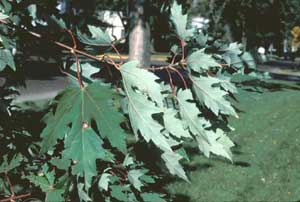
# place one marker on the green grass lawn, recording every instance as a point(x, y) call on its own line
point(266, 163)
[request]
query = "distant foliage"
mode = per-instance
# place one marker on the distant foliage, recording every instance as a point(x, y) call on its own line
point(87, 149)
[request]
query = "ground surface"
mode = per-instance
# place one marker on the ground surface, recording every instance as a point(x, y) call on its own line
point(267, 159)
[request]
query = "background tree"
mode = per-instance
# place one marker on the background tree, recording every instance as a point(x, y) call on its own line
point(139, 36)
point(255, 23)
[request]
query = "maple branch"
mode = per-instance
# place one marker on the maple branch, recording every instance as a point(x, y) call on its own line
point(180, 75)
point(62, 45)
point(171, 82)
point(76, 58)
point(111, 61)
point(11, 188)
point(154, 68)
point(15, 197)
point(182, 43)
point(173, 60)
point(118, 53)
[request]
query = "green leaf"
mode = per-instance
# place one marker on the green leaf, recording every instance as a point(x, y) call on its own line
point(57, 125)
point(59, 22)
point(104, 180)
point(14, 162)
point(219, 144)
point(200, 61)
point(141, 111)
point(231, 55)
point(72, 121)
point(127, 161)
point(3, 16)
point(226, 84)
point(53, 190)
point(5, 41)
point(152, 197)
point(118, 193)
point(183, 153)
point(201, 39)
point(142, 79)
point(180, 22)
point(99, 38)
point(172, 162)
point(4, 189)
point(6, 58)
point(89, 103)
point(140, 84)
point(147, 178)
point(212, 97)
point(86, 70)
point(82, 194)
point(32, 9)
point(174, 125)
point(249, 60)
point(6, 6)
point(84, 146)
point(140, 114)
point(133, 177)
point(190, 114)
point(232, 48)
point(60, 163)
point(208, 141)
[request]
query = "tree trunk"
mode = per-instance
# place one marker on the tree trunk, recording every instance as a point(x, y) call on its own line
point(139, 36)
point(194, 4)
point(228, 33)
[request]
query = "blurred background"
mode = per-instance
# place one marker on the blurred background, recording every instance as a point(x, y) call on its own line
point(266, 159)
point(268, 29)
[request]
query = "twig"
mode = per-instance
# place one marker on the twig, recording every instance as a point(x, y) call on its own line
point(62, 45)
point(16, 197)
point(11, 188)
point(182, 49)
point(111, 62)
point(171, 82)
point(76, 58)
point(173, 60)
point(180, 75)
point(118, 53)
point(154, 68)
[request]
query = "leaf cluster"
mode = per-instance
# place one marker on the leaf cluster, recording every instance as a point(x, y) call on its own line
point(87, 149)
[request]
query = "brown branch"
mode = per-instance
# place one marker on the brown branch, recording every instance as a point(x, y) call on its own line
point(182, 43)
point(76, 58)
point(118, 53)
point(62, 45)
point(11, 188)
point(181, 77)
point(15, 197)
point(171, 82)
point(111, 61)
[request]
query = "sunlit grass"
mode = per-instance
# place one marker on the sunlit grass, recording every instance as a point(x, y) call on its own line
point(267, 156)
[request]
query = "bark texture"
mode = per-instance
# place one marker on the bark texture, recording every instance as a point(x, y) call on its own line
point(139, 37)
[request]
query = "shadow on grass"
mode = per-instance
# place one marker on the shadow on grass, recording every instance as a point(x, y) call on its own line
point(260, 86)
point(197, 166)
point(181, 198)
point(241, 164)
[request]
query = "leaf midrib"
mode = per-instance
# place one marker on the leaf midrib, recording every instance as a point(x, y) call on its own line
point(195, 125)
